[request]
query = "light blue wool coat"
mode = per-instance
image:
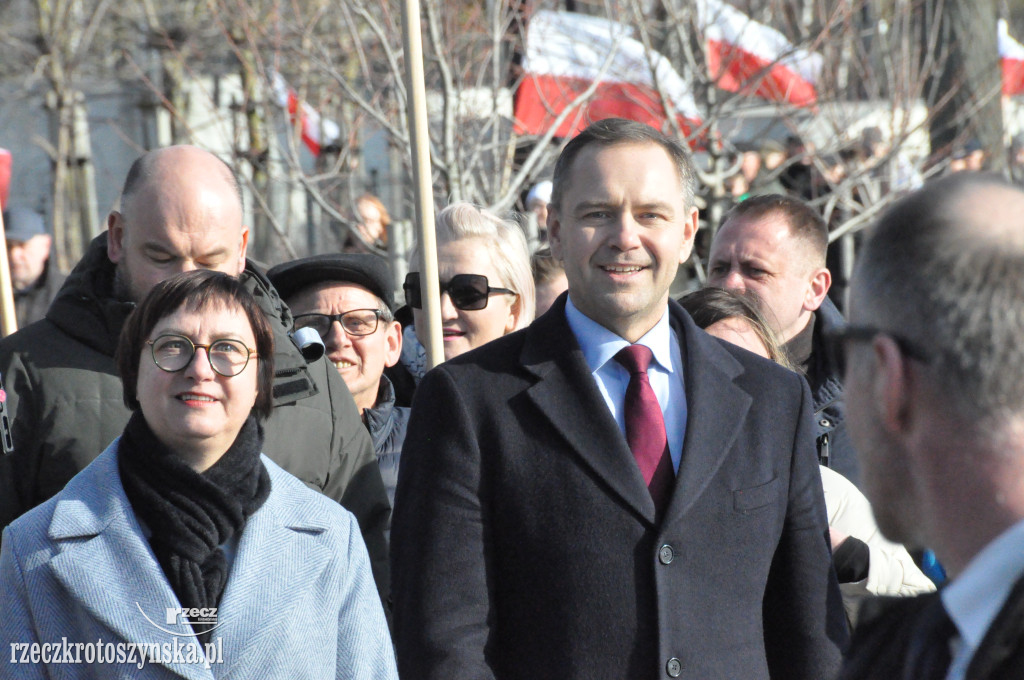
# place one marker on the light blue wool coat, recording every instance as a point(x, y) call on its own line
point(300, 600)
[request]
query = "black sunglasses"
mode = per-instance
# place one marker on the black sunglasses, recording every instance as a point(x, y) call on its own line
point(468, 292)
point(836, 339)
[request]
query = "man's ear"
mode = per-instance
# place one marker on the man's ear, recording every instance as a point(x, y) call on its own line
point(115, 236)
point(817, 289)
point(245, 246)
point(555, 232)
point(892, 385)
point(690, 227)
point(392, 343)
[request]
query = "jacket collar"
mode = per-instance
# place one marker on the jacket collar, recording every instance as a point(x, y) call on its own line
point(106, 565)
point(567, 397)
point(85, 307)
point(380, 418)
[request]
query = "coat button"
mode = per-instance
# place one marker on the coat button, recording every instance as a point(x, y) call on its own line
point(666, 554)
point(825, 422)
point(674, 668)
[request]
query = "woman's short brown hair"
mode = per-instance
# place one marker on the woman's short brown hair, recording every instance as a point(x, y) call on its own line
point(195, 291)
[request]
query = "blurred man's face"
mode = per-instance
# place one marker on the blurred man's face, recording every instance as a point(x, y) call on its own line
point(886, 479)
point(548, 291)
point(371, 223)
point(28, 260)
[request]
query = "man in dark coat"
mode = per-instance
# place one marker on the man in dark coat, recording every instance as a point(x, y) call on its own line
point(935, 403)
point(527, 543)
point(774, 246)
point(181, 209)
point(35, 276)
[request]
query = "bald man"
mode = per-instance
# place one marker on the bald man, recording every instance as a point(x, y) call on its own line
point(935, 403)
point(181, 209)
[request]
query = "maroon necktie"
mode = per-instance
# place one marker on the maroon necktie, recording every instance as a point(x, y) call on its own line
point(645, 426)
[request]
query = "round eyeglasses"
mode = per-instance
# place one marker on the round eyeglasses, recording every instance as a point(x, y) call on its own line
point(355, 322)
point(172, 353)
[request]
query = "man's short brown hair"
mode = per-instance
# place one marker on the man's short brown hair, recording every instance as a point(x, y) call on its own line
point(804, 221)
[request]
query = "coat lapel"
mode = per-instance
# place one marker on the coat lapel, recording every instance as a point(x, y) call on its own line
point(106, 564)
point(566, 395)
point(716, 409)
point(278, 558)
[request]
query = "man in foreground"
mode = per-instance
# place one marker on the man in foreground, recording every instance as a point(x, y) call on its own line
point(181, 209)
point(935, 397)
point(561, 516)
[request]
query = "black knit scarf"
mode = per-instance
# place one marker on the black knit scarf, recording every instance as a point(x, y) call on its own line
point(191, 514)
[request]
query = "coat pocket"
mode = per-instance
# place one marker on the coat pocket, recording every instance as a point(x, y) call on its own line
point(755, 497)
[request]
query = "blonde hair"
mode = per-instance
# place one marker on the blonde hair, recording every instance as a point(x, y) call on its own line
point(506, 246)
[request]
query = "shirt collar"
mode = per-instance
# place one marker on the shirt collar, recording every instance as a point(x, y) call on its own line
point(974, 598)
point(600, 344)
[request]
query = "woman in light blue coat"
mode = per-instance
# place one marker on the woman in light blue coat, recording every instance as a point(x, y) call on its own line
point(182, 551)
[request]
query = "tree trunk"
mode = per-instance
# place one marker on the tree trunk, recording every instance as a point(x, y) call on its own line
point(964, 94)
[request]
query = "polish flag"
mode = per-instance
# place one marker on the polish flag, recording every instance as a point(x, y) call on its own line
point(312, 125)
point(1011, 54)
point(566, 53)
point(748, 57)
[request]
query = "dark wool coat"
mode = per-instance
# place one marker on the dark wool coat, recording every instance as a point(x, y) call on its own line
point(524, 542)
point(887, 629)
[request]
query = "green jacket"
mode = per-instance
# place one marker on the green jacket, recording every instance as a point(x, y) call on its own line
point(66, 405)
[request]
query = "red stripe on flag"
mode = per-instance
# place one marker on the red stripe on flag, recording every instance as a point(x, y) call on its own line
point(736, 70)
point(308, 138)
point(1013, 76)
point(540, 98)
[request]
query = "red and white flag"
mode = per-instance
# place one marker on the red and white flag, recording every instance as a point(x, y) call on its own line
point(317, 132)
point(748, 57)
point(567, 52)
point(1011, 54)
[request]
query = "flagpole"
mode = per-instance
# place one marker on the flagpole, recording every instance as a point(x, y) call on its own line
point(419, 142)
point(8, 320)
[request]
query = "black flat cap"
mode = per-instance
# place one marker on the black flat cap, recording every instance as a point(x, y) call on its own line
point(369, 271)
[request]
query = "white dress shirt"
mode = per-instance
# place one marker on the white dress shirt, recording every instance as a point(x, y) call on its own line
point(665, 373)
point(974, 598)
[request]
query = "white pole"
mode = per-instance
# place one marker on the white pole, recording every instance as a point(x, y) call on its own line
point(422, 178)
point(8, 320)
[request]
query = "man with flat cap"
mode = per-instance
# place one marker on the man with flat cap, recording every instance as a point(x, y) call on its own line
point(34, 277)
point(349, 301)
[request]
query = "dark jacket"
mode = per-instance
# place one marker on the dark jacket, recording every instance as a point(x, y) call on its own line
point(387, 424)
point(30, 305)
point(887, 630)
point(835, 449)
point(525, 542)
point(66, 404)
